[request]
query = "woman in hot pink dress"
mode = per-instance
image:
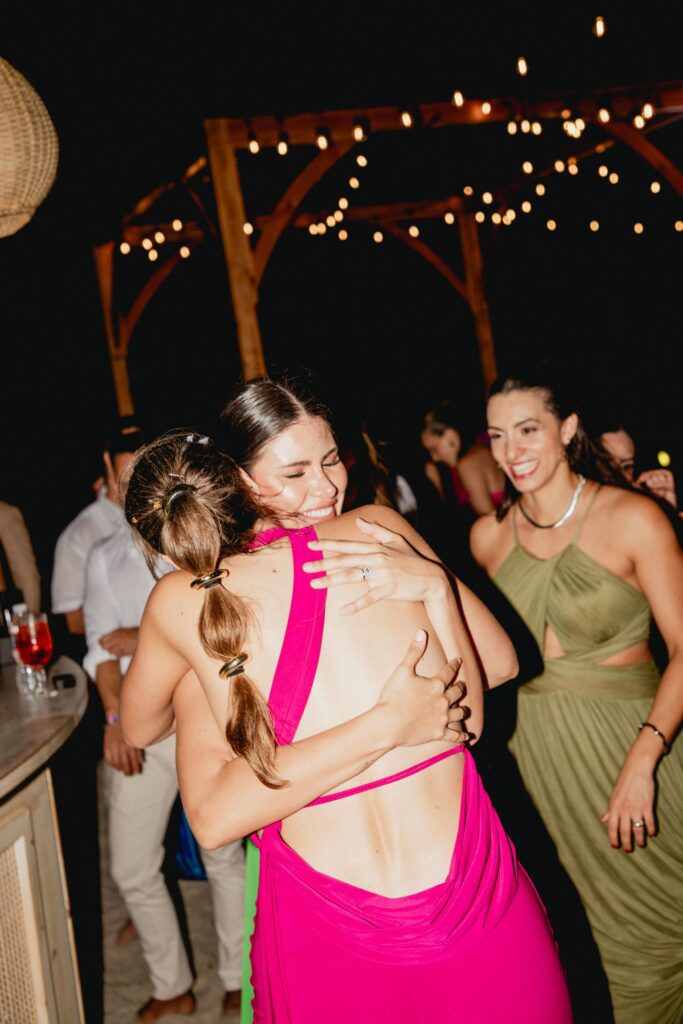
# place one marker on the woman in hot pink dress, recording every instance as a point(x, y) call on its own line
point(388, 889)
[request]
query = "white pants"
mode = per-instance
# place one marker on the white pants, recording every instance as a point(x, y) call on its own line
point(138, 810)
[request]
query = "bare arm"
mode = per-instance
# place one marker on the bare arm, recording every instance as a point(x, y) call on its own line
point(224, 800)
point(116, 750)
point(658, 562)
point(75, 622)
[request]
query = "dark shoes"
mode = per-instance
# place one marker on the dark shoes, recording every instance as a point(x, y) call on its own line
point(154, 1009)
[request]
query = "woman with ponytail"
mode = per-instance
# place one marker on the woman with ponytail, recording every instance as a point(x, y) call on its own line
point(296, 723)
point(586, 560)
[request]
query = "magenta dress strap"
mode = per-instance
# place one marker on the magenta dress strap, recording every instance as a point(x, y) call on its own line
point(396, 777)
point(300, 653)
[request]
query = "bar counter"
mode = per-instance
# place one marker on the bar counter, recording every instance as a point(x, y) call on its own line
point(37, 953)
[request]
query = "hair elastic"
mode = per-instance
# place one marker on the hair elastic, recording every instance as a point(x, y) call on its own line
point(234, 666)
point(210, 579)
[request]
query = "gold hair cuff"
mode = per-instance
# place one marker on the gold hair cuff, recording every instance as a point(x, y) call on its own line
point(210, 579)
point(233, 667)
point(174, 493)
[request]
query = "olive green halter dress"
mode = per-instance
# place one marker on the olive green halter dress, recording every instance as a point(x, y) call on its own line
point(575, 724)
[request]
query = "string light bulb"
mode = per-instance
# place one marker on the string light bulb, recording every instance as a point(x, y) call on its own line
point(522, 66)
point(177, 225)
point(338, 216)
point(282, 144)
point(599, 27)
point(528, 167)
point(613, 178)
point(603, 115)
point(253, 144)
point(248, 228)
point(638, 228)
point(512, 127)
point(480, 217)
point(486, 108)
point(330, 221)
point(362, 160)
point(540, 189)
point(159, 237)
point(406, 119)
point(353, 183)
point(594, 225)
point(536, 128)
point(458, 98)
point(603, 170)
point(648, 111)
point(343, 235)
point(184, 252)
point(511, 214)
point(378, 237)
point(639, 121)
point(468, 190)
point(358, 132)
point(343, 203)
point(449, 217)
point(496, 217)
point(565, 113)
point(147, 243)
point(413, 231)
point(313, 229)
point(526, 206)
point(551, 225)
point(525, 126)
point(124, 248)
point(322, 228)
point(559, 166)
point(322, 139)
point(655, 188)
point(487, 198)
point(573, 168)
point(152, 255)
point(678, 226)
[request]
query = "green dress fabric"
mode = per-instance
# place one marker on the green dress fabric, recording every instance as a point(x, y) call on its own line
point(575, 724)
point(250, 890)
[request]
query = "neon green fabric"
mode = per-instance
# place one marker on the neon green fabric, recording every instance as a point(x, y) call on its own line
point(575, 725)
point(250, 889)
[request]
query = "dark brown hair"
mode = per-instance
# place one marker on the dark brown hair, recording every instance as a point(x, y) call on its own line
point(583, 454)
point(186, 500)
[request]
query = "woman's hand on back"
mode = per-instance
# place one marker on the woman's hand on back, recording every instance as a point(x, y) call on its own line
point(424, 709)
point(391, 567)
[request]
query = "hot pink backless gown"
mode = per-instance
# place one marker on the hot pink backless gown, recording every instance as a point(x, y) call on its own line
point(476, 949)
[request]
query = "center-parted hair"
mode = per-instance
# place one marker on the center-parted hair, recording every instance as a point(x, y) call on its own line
point(186, 500)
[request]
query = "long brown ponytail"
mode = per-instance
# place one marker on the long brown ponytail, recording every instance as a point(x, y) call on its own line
point(186, 500)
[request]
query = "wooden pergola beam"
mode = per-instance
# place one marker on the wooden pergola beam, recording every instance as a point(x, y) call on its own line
point(657, 160)
point(385, 213)
point(427, 253)
point(303, 129)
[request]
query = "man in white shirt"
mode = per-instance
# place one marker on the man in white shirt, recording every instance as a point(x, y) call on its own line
point(141, 787)
point(95, 522)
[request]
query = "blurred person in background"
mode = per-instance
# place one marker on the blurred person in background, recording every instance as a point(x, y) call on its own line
point(621, 448)
point(18, 568)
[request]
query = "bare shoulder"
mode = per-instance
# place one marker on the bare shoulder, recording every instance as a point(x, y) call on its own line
point(632, 511)
point(487, 538)
point(345, 526)
point(173, 599)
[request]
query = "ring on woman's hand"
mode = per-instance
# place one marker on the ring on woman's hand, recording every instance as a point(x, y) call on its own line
point(639, 824)
point(365, 572)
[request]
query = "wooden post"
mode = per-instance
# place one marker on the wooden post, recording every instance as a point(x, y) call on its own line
point(476, 296)
point(118, 347)
point(238, 255)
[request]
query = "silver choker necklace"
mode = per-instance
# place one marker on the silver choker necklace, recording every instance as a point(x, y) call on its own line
point(564, 517)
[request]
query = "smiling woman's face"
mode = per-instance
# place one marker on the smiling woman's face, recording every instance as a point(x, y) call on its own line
point(299, 474)
point(527, 440)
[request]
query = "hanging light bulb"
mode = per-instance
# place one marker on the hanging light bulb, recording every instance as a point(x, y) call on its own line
point(358, 132)
point(177, 225)
point(159, 237)
point(603, 115)
point(496, 217)
point(551, 225)
point(413, 231)
point(639, 121)
point(362, 160)
point(184, 252)
point(536, 127)
point(525, 126)
point(449, 217)
point(406, 119)
point(522, 66)
point(486, 108)
point(480, 217)
point(343, 235)
point(565, 113)
point(253, 144)
point(458, 98)
point(511, 214)
point(540, 189)
point(338, 216)
point(638, 228)
point(282, 144)
point(678, 226)
point(313, 229)
point(614, 178)
point(528, 167)
point(526, 206)
point(468, 190)
point(378, 237)
point(512, 127)
point(487, 198)
point(353, 183)
point(322, 227)
point(343, 203)
point(124, 248)
point(603, 170)
point(655, 188)
point(147, 243)
point(152, 255)
point(248, 228)
point(580, 124)
point(322, 139)
point(330, 221)
point(573, 168)
point(648, 111)
point(594, 225)
point(559, 166)
point(599, 27)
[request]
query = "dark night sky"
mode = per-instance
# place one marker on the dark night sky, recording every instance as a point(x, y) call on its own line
point(127, 93)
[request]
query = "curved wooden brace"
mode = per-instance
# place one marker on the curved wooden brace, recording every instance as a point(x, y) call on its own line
point(286, 209)
point(128, 323)
point(428, 254)
point(648, 151)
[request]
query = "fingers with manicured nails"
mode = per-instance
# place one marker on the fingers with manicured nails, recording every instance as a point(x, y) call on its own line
point(341, 547)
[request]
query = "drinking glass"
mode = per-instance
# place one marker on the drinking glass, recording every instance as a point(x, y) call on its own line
point(34, 646)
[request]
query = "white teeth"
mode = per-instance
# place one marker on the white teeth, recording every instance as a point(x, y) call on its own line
point(320, 513)
point(524, 467)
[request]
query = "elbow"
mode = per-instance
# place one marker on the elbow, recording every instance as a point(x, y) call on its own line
point(503, 670)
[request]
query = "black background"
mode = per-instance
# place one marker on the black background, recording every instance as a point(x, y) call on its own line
point(127, 89)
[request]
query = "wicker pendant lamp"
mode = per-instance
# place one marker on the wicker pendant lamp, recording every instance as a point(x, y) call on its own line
point(28, 150)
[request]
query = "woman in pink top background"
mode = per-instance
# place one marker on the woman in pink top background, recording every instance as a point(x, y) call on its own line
point(385, 874)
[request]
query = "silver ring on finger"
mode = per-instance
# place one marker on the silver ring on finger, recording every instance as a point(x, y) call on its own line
point(365, 572)
point(639, 824)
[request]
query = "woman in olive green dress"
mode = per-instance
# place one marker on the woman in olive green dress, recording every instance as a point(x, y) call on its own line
point(585, 561)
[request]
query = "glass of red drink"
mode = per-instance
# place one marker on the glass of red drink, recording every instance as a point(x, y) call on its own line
point(35, 647)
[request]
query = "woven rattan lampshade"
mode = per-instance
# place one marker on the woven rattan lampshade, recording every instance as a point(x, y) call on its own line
point(28, 150)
